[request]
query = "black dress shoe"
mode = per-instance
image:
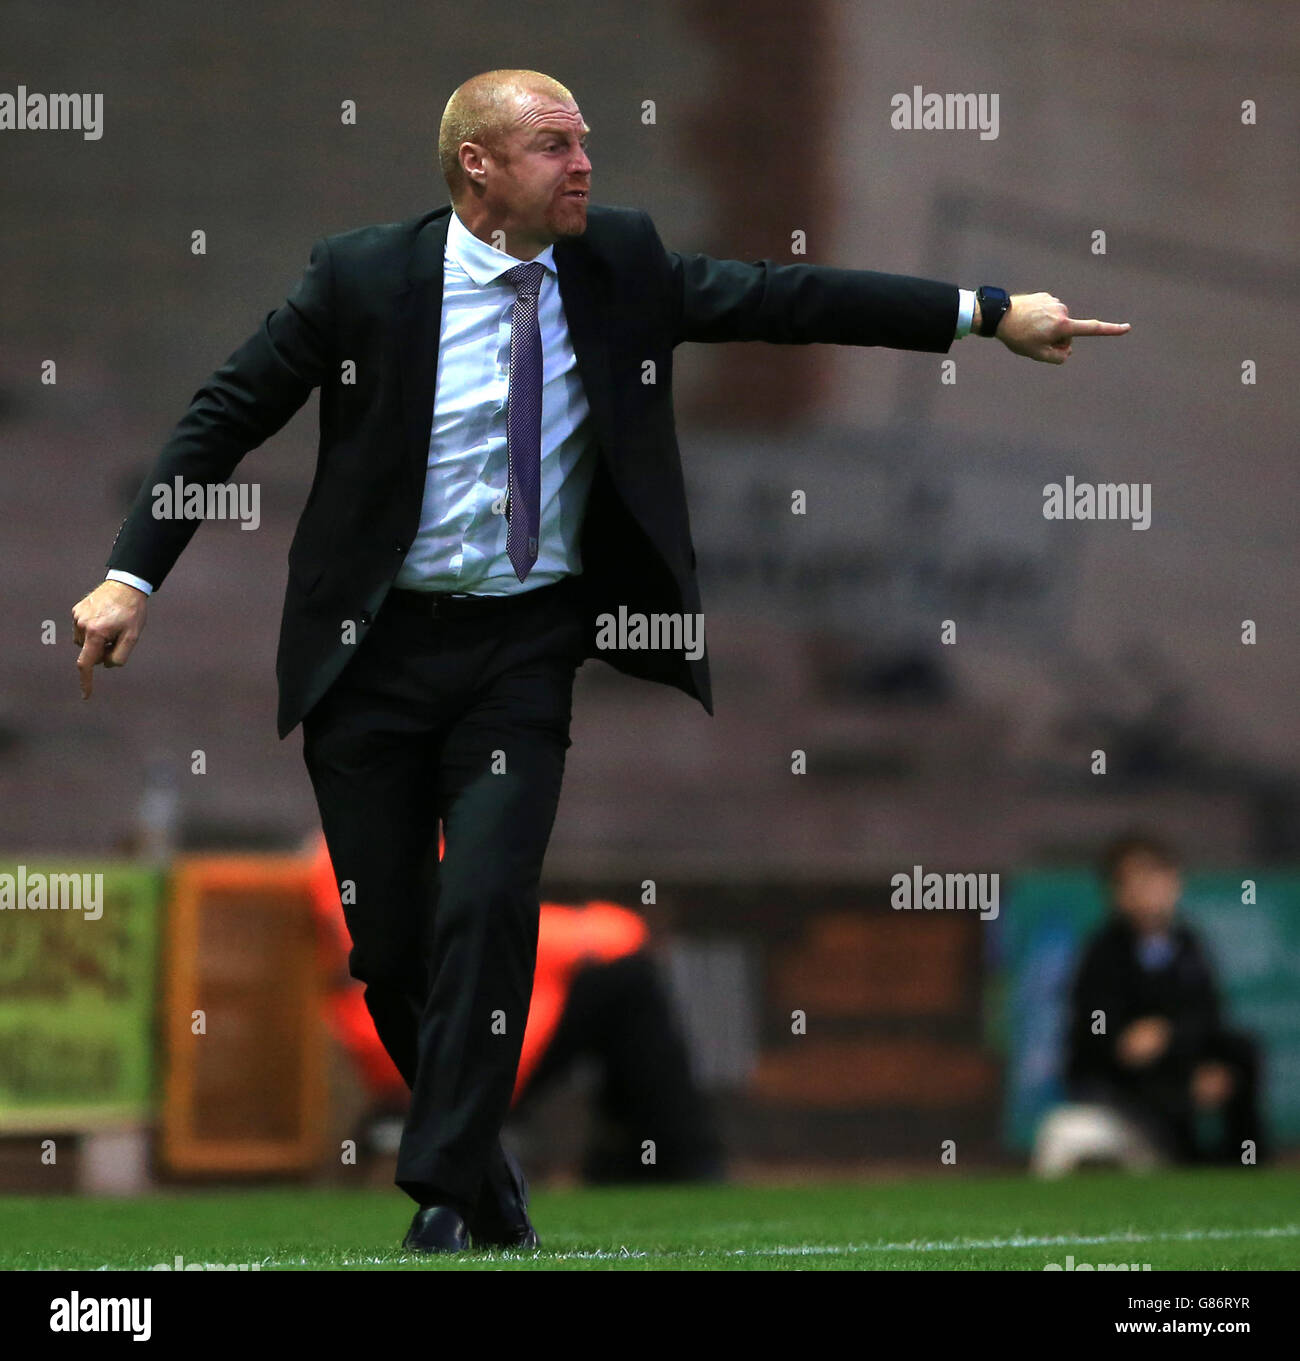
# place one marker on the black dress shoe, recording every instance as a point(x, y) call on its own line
point(436, 1228)
point(496, 1226)
point(521, 1236)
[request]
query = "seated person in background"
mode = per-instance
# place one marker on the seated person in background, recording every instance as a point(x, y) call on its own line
point(1164, 1059)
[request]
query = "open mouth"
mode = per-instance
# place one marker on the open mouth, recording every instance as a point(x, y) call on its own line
point(575, 193)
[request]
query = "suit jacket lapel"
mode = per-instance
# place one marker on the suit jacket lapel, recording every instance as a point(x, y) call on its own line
point(584, 291)
point(419, 326)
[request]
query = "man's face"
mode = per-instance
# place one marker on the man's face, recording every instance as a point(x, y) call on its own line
point(1147, 893)
point(531, 180)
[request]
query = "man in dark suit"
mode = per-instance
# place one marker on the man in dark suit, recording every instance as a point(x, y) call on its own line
point(498, 482)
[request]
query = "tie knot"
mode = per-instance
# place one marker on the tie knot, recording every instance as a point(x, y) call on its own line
point(526, 278)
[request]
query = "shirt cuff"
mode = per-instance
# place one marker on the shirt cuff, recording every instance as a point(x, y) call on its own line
point(965, 311)
point(139, 584)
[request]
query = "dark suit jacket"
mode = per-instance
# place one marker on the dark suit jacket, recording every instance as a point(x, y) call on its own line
point(374, 296)
point(1110, 978)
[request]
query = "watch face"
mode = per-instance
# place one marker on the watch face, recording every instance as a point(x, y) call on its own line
point(994, 304)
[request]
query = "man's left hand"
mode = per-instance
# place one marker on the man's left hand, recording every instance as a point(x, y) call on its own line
point(1040, 327)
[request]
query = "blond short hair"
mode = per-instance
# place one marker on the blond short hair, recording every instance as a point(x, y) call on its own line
point(481, 110)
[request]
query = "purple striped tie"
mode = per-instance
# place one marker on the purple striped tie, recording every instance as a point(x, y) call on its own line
point(524, 420)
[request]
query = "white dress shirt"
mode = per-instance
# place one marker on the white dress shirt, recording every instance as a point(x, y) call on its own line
point(461, 543)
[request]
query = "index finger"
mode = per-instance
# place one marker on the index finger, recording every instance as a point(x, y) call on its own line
point(87, 659)
point(1097, 328)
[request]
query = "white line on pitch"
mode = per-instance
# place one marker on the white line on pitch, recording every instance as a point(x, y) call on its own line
point(836, 1249)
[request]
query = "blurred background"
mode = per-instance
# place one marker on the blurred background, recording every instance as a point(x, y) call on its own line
point(772, 890)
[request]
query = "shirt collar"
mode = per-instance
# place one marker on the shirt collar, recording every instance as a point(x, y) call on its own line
point(1155, 952)
point(482, 262)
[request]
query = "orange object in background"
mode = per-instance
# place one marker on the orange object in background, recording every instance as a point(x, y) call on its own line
point(567, 939)
point(241, 945)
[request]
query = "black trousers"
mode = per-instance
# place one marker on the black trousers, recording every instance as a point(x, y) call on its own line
point(461, 718)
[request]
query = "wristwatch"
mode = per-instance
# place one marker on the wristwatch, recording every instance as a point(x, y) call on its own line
point(994, 303)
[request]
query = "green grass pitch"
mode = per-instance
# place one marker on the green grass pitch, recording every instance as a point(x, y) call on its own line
point(1239, 1219)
